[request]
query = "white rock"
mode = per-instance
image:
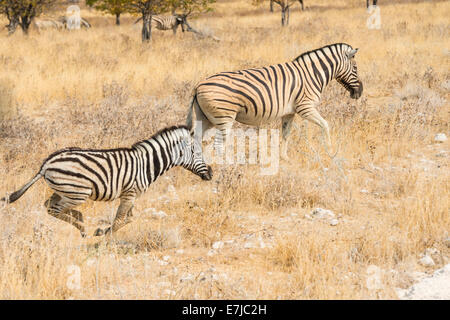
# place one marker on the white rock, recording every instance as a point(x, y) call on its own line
point(431, 251)
point(159, 214)
point(163, 263)
point(90, 262)
point(426, 261)
point(218, 245)
point(440, 137)
point(211, 252)
point(188, 277)
point(180, 251)
point(434, 287)
point(248, 245)
point(169, 292)
point(155, 214)
point(334, 222)
point(322, 213)
point(166, 258)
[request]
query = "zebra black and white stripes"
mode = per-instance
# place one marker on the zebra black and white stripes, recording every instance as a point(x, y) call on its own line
point(258, 95)
point(169, 22)
point(76, 175)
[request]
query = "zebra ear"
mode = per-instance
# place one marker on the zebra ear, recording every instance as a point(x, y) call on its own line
point(352, 53)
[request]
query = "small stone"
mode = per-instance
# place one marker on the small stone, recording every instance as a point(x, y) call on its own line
point(169, 292)
point(218, 245)
point(447, 242)
point(155, 214)
point(427, 261)
point(211, 252)
point(159, 214)
point(440, 137)
point(248, 245)
point(334, 222)
point(431, 251)
point(90, 262)
point(188, 277)
point(163, 263)
point(179, 251)
point(166, 258)
point(322, 213)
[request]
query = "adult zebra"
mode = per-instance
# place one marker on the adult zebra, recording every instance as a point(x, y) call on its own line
point(76, 175)
point(169, 22)
point(258, 95)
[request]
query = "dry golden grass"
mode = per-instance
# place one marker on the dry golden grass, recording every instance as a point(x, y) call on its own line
point(102, 88)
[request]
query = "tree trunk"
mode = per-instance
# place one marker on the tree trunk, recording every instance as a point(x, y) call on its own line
point(284, 16)
point(12, 26)
point(146, 27)
point(271, 6)
point(25, 24)
point(301, 2)
point(117, 19)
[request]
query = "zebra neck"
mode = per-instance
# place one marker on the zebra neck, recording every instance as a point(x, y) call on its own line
point(318, 69)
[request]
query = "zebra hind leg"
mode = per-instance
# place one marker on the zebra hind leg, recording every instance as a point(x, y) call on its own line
point(61, 207)
point(286, 127)
point(220, 139)
point(123, 216)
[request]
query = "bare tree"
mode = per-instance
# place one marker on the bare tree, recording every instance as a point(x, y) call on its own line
point(300, 1)
point(149, 8)
point(22, 12)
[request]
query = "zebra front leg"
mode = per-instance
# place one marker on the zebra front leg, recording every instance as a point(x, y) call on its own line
point(311, 114)
point(286, 126)
point(123, 215)
point(61, 208)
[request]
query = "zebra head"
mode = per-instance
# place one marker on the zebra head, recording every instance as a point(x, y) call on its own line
point(182, 19)
point(191, 157)
point(348, 76)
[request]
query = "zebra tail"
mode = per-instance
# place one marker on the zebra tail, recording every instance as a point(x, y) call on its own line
point(190, 116)
point(17, 194)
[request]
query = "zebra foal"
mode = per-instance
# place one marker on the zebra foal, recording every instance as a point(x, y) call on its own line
point(260, 95)
point(76, 175)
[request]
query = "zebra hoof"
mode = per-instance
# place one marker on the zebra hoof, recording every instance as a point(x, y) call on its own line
point(99, 232)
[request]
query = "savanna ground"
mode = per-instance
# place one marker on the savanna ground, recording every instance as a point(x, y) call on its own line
point(102, 88)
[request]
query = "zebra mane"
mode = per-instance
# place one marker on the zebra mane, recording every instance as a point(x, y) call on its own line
point(161, 132)
point(327, 46)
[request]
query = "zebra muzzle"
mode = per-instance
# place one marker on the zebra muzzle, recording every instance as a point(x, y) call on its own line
point(207, 175)
point(355, 93)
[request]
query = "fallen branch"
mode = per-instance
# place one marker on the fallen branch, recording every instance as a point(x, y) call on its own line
point(201, 34)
